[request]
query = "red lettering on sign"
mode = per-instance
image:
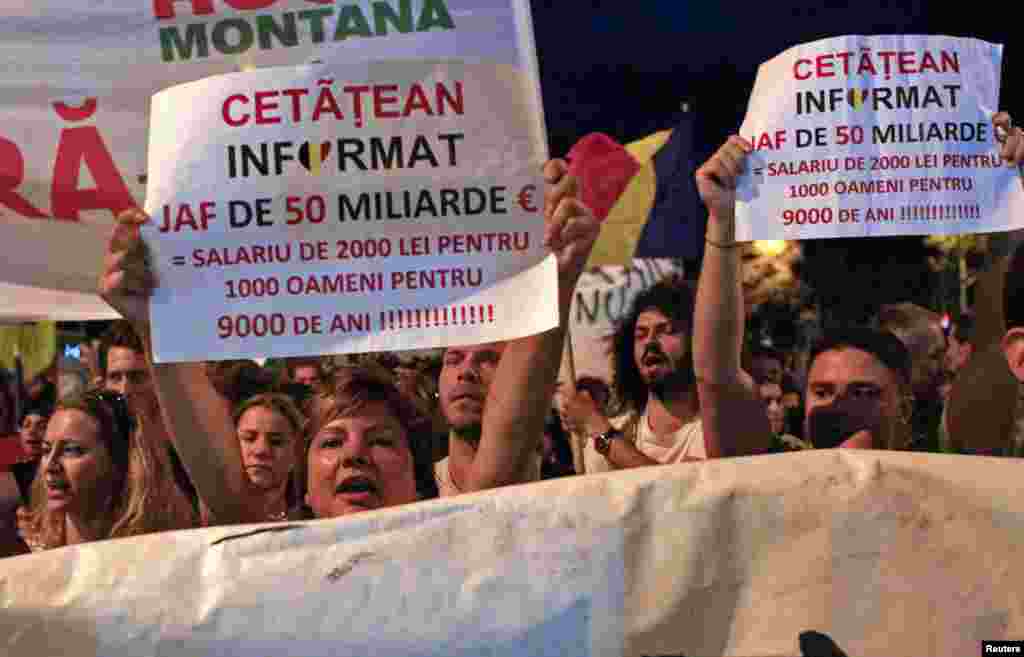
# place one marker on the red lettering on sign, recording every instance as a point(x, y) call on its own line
point(78, 146)
point(12, 173)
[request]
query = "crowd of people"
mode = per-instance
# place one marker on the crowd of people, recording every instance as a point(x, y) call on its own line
point(138, 447)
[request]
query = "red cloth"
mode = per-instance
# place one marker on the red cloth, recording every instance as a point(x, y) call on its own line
point(10, 451)
point(604, 168)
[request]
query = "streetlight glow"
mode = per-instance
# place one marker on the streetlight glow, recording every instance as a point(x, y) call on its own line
point(770, 248)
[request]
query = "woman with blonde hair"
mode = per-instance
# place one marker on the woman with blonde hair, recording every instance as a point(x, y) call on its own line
point(269, 429)
point(101, 478)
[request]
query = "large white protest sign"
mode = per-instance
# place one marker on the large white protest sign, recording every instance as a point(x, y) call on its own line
point(77, 83)
point(884, 135)
point(880, 553)
point(340, 209)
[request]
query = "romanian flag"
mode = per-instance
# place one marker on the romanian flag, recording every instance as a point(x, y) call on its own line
point(643, 192)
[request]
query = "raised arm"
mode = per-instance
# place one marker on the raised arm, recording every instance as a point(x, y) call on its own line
point(982, 407)
point(198, 419)
point(520, 395)
point(734, 419)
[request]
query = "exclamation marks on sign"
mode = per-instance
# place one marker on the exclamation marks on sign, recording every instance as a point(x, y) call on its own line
point(392, 320)
point(939, 212)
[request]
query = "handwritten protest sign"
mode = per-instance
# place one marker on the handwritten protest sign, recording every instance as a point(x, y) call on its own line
point(330, 209)
point(884, 135)
point(75, 96)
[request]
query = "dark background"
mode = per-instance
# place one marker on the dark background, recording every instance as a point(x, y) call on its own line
point(624, 68)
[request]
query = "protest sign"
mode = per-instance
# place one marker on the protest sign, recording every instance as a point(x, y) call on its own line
point(74, 100)
point(878, 553)
point(345, 209)
point(863, 136)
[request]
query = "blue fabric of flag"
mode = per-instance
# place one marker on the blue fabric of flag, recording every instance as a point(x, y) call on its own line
point(676, 223)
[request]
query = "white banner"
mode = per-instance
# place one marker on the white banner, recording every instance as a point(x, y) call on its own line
point(345, 209)
point(863, 136)
point(78, 78)
point(875, 553)
point(31, 304)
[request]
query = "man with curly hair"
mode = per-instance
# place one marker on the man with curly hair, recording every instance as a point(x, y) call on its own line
point(657, 392)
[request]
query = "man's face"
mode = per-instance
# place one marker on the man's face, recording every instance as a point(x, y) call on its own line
point(307, 375)
point(661, 351)
point(126, 371)
point(849, 390)
point(31, 433)
point(930, 364)
point(128, 374)
point(466, 377)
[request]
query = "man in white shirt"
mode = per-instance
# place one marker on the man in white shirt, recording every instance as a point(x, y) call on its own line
point(463, 386)
point(654, 385)
point(677, 359)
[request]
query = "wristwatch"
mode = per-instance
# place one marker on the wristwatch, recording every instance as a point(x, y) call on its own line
point(603, 441)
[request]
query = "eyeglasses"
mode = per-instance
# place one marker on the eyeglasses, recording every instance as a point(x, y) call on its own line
point(124, 421)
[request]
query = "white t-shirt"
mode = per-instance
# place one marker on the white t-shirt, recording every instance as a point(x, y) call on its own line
point(446, 487)
point(686, 442)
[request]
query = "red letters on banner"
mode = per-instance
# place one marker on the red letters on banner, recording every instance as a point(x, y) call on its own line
point(77, 146)
point(164, 9)
point(12, 172)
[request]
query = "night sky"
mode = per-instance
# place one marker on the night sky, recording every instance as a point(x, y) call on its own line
point(624, 67)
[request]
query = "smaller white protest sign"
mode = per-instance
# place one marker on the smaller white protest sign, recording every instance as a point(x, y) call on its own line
point(340, 209)
point(861, 136)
